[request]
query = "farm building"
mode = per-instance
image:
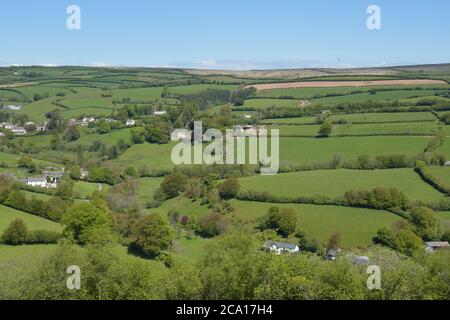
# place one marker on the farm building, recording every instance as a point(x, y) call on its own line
point(12, 107)
point(160, 113)
point(281, 247)
point(130, 122)
point(436, 245)
point(361, 260)
point(245, 130)
point(53, 175)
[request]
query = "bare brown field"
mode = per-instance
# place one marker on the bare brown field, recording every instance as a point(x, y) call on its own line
point(330, 84)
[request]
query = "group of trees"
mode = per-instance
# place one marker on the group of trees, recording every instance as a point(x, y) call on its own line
point(17, 233)
point(230, 268)
point(407, 236)
point(282, 220)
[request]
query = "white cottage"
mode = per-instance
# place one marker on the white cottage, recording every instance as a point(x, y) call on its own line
point(281, 247)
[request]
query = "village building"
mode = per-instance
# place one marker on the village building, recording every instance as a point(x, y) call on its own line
point(160, 113)
point(88, 119)
point(40, 182)
point(247, 116)
point(41, 127)
point(361, 260)
point(53, 175)
point(18, 131)
point(12, 107)
point(436, 245)
point(245, 130)
point(83, 174)
point(2, 134)
point(281, 247)
point(130, 122)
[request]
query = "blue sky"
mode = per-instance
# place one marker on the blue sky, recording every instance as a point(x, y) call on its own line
point(232, 34)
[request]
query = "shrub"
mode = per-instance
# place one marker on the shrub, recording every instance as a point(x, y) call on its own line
point(281, 220)
point(43, 237)
point(151, 234)
point(16, 233)
point(213, 224)
point(174, 184)
point(229, 188)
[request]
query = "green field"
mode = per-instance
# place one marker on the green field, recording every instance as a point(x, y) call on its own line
point(357, 226)
point(7, 215)
point(265, 103)
point(441, 172)
point(85, 189)
point(151, 155)
point(108, 139)
point(384, 117)
point(333, 183)
point(403, 128)
point(306, 150)
point(147, 188)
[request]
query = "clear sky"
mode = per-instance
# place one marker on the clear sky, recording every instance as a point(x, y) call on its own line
point(227, 34)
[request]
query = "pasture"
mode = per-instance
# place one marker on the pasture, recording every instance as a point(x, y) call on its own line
point(7, 215)
point(336, 182)
point(358, 226)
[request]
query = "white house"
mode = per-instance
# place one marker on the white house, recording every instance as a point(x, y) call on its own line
point(2, 134)
point(247, 116)
point(41, 127)
point(12, 107)
point(160, 113)
point(18, 131)
point(281, 247)
point(40, 182)
point(88, 119)
point(130, 122)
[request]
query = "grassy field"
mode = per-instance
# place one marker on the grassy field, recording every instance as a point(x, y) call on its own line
point(195, 88)
point(306, 150)
point(384, 117)
point(7, 215)
point(296, 120)
point(108, 139)
point(152, 155)
point(147, 188)
point(265, 103)
point(379, 96)
point(85, 189)
point(404, 128)
point(444, 217)
point(442, 172)
point(350, 93)
point(357, 226)
point(335, 182)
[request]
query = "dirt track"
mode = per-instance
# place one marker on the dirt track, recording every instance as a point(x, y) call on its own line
point(330, 84)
